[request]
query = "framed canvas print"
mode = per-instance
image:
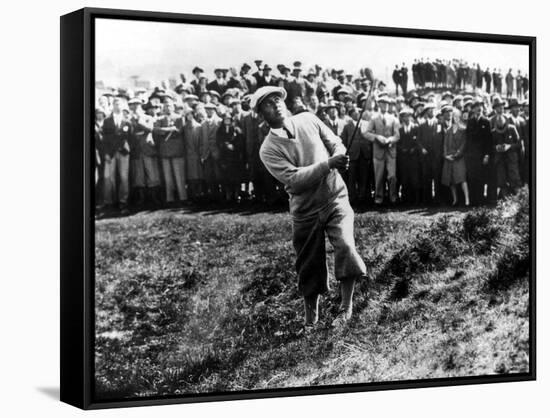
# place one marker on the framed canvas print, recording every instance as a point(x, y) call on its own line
point(257, 208)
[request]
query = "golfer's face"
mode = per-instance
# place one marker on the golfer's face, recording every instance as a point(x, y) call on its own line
point(273, 108)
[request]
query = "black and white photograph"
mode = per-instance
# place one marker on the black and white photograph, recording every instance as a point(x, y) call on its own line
point(282, 209)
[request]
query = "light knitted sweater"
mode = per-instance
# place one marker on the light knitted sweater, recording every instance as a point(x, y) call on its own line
point(301, 164)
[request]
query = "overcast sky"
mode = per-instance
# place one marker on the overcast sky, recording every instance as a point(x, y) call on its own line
point(157, 51)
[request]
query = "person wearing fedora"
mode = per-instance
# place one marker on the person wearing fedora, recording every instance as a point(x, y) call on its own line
point(219, 84)
point(197, 72)
point(359, 178)
point(249, 80)
point(145, 177)
point(304, 154)
point(409, 155)
point(396, 77)
point(431, 155)
point(267, 79)
point(335, 123)
point(116, 148)
point(477, 152)
point(516, 119)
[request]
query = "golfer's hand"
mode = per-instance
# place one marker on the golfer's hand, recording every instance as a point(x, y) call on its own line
point(339, 161)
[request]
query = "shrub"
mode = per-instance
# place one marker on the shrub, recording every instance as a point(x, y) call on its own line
point(420, 255)
point(513, 264)
point(480, 230)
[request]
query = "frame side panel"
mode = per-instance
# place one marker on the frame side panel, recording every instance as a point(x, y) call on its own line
point(72, 330)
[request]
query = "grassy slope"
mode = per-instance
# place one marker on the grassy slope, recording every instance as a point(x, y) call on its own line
point(198, 302)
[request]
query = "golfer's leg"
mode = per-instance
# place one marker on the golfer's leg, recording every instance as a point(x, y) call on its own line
point(348, 264)
point(311, 266)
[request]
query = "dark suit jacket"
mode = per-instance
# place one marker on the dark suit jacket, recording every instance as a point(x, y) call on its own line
point(361, 146)
point(115, 138)
point(478, 137)
point(522, 128)
point(171, 144)
point(396, 76)
point(408, 142)
point(262, 82)
point(337, 126)
point(429, 137)
point(214, 85)
point(140, 132)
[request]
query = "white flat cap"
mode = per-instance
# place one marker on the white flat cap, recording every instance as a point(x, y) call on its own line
point(260, 94)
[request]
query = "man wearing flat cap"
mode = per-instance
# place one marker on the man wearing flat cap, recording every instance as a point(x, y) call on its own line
point(383, 132)
point(303, 154)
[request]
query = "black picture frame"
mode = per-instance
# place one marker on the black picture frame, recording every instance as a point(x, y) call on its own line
point(77, 205)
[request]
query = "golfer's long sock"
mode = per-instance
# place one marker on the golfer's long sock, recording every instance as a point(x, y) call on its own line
point(311, 305)
point(346, 291)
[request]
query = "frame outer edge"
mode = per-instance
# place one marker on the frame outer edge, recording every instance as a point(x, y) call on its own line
point(82, 222)
point(72, 305)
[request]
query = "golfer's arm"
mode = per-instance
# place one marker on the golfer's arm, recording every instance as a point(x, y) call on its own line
point(332, 142)
point(297, 179)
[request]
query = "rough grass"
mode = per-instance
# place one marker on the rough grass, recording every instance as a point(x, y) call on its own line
point(201, 302)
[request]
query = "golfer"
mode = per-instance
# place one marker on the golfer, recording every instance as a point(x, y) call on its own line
point(302, 153)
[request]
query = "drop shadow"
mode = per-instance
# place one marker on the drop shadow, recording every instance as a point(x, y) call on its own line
point(51, 392)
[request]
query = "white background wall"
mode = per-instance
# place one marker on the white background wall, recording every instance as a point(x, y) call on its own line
point(29, 221)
